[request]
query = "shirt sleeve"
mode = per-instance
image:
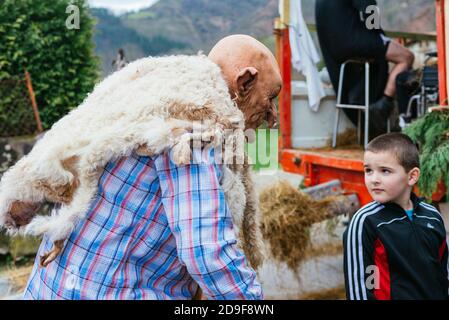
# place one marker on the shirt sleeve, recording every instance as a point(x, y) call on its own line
point(445, 264)
point(443, 252)
point(359, 267)
point(201, 223)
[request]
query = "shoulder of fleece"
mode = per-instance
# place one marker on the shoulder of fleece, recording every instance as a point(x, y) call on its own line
point(143, 89)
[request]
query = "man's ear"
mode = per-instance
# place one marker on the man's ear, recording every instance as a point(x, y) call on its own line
point(246, 79)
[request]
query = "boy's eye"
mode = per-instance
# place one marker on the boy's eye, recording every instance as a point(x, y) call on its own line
point(368, 170)
point(386, 171)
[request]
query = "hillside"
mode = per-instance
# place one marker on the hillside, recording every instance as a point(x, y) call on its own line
point(111, 34)
point(187, 26)
point(199, 23)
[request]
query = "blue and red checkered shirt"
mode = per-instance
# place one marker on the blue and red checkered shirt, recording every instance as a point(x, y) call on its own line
point(154, 231)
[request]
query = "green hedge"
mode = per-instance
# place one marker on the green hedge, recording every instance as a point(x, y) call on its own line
point(61, 61)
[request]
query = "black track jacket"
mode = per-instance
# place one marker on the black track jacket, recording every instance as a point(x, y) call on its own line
point(388, 256)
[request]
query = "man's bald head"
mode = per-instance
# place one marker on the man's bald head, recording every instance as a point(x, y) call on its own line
point(240, 51)
point(252, 74)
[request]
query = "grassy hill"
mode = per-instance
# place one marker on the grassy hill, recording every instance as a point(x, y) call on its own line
point(111, 34)
point(200, 23)
point(187, 26)
point(180, 26)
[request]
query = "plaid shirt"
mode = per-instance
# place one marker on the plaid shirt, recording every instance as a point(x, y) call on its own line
point(154, 231)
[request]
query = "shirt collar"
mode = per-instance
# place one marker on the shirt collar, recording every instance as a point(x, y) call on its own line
point(413, 197)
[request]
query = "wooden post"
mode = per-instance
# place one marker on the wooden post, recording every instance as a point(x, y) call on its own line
point(33, 102)
point(286, 93)
point(285, 13)
point(441, 46)
point(283, 55)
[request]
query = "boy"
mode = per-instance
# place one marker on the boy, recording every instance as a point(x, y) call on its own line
point(395, 247)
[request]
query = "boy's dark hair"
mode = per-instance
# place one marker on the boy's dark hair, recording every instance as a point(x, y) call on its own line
point(400, 145)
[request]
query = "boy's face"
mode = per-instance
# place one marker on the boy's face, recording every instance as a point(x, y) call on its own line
point(386, 179)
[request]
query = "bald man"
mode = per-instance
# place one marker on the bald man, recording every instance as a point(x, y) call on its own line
point(154, 257)
point(253, 77)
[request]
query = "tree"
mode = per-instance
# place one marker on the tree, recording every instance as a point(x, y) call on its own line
point(40, 36)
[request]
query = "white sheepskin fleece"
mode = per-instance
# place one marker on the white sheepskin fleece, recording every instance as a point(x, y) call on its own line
point(151, 104)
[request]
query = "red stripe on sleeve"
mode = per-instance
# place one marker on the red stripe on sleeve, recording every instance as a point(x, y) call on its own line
point(381, 261)
point(441, 250)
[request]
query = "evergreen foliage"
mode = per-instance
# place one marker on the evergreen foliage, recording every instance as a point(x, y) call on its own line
point(61, 61)
point(431, 132)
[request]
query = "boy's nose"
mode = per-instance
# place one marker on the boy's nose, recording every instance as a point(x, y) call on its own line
point(375, 179)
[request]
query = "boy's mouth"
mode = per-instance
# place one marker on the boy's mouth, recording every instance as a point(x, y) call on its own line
point(377, 190)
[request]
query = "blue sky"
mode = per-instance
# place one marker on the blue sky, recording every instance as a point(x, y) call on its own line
point(121, 6)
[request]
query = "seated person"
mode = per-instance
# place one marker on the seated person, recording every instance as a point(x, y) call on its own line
point(354, 39)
